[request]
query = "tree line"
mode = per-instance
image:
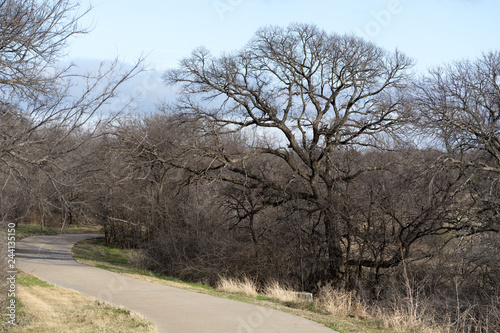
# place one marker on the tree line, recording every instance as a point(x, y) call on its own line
point(306, 157)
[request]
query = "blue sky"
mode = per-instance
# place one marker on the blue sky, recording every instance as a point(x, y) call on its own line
point(432, 32)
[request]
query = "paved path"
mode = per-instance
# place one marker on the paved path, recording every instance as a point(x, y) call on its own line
point(170, 309)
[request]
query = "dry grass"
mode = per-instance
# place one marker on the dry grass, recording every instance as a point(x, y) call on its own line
point(244, 286)
point(409, 312)
point(285, 294)
point(46, 308)
point(401, 321)
point(402, 318)
point(341, 303)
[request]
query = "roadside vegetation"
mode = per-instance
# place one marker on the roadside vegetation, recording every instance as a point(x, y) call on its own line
point(45, 308)
point(341, 311)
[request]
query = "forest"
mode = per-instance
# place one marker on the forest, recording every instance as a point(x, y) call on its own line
point(307, 157)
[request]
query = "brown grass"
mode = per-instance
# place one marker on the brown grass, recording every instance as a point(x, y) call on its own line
point(47, 309)
point(244, 286)
point(277, 291)
point(409, 312)
point(402, 321)
point(341, 303)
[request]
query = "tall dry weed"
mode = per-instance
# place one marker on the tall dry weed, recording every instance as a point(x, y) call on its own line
point(341, 303)
point(244, 286)
point(277, 291)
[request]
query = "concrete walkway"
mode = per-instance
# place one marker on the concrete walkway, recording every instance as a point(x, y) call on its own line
point(170, 309)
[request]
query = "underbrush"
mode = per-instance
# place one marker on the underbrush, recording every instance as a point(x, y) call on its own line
point(403, 307)
point(408, 312)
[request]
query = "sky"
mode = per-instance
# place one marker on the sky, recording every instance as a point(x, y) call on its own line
point(432, 32)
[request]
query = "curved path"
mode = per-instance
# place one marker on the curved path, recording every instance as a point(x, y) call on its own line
point(170, 309)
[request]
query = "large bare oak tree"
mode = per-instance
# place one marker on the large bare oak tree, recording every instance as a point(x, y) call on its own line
point(318, 93)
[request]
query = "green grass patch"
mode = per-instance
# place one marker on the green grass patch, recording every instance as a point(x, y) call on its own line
point(263, 298)
point(23, 231)
point(111, 268)
point(168, 278)
point(29, 280)
point(95, 249)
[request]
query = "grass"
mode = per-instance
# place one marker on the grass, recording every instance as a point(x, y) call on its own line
point(44, 308)
point(28, 280)
point(96, 253)
point(341, 303)
point(275, 290)
point(23, 231)
point(244, 286)
point(95, 249)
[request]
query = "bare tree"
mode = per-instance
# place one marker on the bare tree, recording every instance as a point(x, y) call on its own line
point(461, 104)
point(319, 93)
point(46, 111)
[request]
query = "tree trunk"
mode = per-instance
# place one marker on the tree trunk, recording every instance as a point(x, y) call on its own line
point(335, 254)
